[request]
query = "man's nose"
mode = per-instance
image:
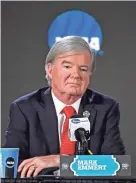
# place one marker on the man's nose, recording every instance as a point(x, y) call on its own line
point(76, 72)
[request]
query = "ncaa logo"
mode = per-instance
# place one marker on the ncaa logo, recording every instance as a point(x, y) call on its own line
point(10, 162)
point(76, 23)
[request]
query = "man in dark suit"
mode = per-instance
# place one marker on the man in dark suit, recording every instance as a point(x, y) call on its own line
point(38, 122)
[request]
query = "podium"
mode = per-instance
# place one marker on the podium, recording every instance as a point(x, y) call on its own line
point(55, 179)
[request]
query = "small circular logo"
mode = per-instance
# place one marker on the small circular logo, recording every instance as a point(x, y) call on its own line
point(76, 23)
point(10, 162)
point(86, 114)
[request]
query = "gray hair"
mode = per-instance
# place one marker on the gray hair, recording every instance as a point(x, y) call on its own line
point(67, 46)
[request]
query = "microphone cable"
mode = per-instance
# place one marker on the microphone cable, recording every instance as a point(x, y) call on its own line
point(89, 151)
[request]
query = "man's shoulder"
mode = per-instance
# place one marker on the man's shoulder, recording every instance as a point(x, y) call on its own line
point(33, 96)
point(100, 98)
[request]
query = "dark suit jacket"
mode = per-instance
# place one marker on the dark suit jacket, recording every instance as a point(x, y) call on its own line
point(33, 125)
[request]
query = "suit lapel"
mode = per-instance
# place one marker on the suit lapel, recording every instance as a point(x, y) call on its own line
point(49, 122)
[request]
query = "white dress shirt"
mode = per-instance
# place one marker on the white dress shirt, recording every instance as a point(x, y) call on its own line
point(61, 116)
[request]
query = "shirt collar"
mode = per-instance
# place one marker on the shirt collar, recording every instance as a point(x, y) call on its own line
point(60, 105)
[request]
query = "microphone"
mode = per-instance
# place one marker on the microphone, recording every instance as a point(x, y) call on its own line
point(79, 130)
point(82, 135)
point(76, 122)
point(82, 145)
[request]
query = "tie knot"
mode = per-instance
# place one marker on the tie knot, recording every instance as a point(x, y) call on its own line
point(69, 111)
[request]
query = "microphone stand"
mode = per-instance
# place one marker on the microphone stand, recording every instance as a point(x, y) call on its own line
point(82, 144)
point(80, 148)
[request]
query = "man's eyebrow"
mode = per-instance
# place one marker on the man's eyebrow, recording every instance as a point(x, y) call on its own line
point(66, 62)
point(69, 62)
point(84, 66)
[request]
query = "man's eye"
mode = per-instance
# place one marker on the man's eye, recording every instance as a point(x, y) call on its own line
point(84, 70)
point(67, 66)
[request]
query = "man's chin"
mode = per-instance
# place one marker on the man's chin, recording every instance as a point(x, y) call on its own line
point(74, 93)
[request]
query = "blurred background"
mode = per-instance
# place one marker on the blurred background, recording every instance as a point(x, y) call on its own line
point(24, 45)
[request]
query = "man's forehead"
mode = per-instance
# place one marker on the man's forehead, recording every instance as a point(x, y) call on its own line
point(69, 54)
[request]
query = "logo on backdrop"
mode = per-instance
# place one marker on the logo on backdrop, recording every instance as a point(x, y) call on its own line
point(76, 23)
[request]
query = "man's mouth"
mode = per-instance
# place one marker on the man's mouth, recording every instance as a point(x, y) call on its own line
point(75, 84)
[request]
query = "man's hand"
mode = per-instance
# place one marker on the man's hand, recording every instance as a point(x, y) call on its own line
point(33, 166)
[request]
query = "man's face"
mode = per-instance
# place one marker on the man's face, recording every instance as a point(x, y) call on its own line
point(70, 74)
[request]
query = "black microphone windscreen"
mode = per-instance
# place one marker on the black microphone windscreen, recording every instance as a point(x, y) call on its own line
point(76, 116)
point(80, 134)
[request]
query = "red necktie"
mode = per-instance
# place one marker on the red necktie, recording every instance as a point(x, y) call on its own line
point(67, 146)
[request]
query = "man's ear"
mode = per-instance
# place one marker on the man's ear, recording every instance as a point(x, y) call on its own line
point(48, 69)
